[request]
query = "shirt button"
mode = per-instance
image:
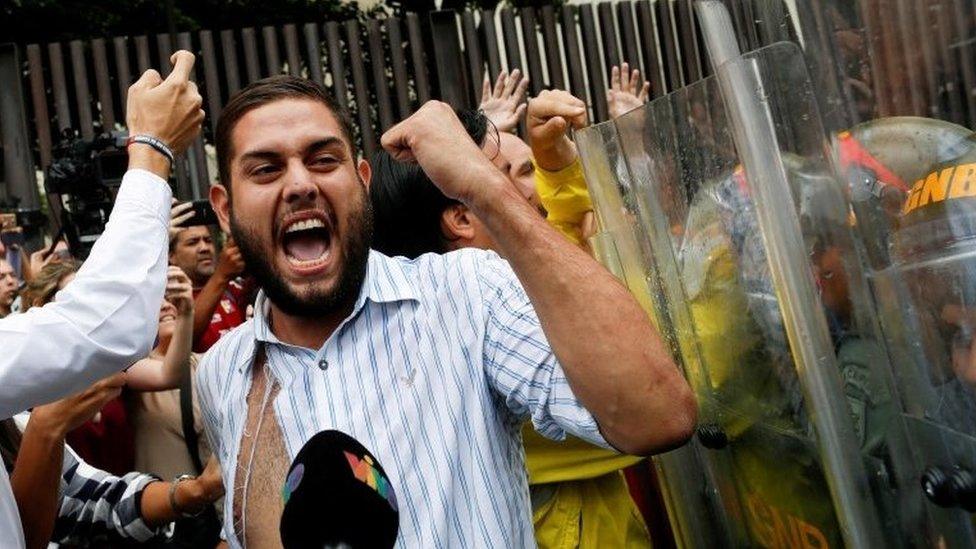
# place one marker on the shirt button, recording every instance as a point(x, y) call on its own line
point(323, 364)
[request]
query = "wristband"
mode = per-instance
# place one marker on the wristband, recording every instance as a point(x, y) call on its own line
point(172, 497)
point(160, 147)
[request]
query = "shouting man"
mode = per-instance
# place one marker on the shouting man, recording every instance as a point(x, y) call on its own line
point(432, 364)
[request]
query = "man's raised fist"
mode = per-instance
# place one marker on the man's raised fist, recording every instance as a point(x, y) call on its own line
point(169, 110)
point(435, 139)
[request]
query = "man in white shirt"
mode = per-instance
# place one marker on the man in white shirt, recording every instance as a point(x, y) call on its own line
point(106, 318)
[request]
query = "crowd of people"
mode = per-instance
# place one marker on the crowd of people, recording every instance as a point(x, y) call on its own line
point(438, 303)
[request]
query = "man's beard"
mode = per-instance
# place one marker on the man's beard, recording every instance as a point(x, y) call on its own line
point(355, 243)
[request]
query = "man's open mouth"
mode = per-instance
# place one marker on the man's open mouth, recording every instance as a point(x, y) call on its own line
point(307, 241)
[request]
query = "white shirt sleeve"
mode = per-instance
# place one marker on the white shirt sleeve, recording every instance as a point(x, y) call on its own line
point(105, 319)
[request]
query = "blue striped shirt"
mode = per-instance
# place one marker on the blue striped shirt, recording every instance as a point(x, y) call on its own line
point(435, 370)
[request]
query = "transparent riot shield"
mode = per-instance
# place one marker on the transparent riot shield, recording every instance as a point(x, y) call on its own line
point(896, 83)
point(687, 477)
point(754, 249)
point(908, 96)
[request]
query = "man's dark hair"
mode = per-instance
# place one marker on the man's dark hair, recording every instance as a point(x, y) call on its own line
point(262, 92)
point(475, 123)
point(407, 206)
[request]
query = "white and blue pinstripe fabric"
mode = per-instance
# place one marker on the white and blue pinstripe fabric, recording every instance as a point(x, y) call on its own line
point(440, 362)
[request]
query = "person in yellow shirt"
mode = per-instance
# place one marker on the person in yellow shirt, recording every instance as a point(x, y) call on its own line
point(579, 495)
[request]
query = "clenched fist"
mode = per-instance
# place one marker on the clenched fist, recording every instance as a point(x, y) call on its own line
point(435, 139)
point(551, 113)
point(169, 110)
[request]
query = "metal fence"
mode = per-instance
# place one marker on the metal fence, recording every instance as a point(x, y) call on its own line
point(381, 69)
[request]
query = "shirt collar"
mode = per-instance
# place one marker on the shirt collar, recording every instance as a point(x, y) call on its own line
point(386, 281)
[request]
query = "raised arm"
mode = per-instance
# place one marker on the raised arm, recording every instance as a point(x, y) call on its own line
point(614, 359)
point(106, 318)
point(559, 173)
point(230, 264)
point(37, 474)
point(153, 374)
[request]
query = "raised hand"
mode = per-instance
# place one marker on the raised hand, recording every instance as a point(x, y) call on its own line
point(169, 110)
point(230, 263)
point(503, 105)
point(624, 94)
point(41, 259)
point(178, 213)
point(434, 138)
point(179, 291)
point(551, 114)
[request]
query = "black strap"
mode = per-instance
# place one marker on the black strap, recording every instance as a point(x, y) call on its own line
point(186, 414)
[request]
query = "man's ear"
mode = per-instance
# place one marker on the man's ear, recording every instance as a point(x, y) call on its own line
point(220, 200)
point(365, 172)
point(457, 225)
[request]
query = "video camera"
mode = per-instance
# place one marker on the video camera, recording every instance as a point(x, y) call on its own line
point(85, 176)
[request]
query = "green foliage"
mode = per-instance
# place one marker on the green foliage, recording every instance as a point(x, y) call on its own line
point(40, 21)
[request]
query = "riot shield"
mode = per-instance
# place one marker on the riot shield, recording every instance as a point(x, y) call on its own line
point(752, 246)
point(896, 83)
point(687, 477)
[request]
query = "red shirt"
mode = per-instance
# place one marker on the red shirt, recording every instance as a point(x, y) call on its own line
point(107, 443)
point(230, 312)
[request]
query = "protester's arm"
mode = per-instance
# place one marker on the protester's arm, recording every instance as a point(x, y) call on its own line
point(93, 501)
point(37, 472)
point(565, 197)
point(134, 506)
point(152, 374)
point(190, 496)
point(106, 318)
point(35, 483)
point(559, 173)
point(96, 502)
point(229, 265)
point(614, 359)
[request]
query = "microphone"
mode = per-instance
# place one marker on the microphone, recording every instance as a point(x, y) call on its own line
point(337, 495)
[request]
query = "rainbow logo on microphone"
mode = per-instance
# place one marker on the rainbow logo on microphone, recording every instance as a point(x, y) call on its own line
point(365, 472)
point(292, 482)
